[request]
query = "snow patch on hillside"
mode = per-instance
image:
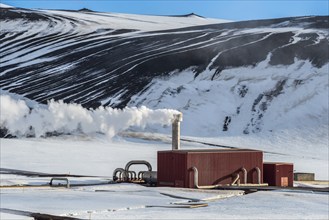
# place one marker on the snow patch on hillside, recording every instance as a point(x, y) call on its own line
point(88, 22)
point(134, 21)
point(5, 6)
point(59, 117)
point(244, 100)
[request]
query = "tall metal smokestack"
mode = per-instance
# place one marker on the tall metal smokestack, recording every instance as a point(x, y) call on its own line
point(176, 131)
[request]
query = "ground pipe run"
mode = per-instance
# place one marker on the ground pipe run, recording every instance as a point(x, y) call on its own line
point(196, 180)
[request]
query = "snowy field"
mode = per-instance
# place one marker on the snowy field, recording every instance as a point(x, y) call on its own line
point(98, 156)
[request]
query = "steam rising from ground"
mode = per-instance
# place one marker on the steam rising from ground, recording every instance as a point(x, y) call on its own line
point(60, 117)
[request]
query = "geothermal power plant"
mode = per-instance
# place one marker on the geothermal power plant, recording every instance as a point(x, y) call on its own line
point(208, 168)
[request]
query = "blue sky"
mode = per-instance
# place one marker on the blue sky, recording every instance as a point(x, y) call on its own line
point(232, 10)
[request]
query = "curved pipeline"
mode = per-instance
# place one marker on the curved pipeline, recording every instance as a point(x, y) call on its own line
point(140, 174)
point(236, 179)
point(126, 175)
point(244, 175)
point(60, 178)
point(196, 181)
point(132, 174)
point(117, 170)
point(258, 174)
point(133, 162)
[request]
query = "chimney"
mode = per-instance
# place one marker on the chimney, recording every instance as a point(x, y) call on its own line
point(176, 131)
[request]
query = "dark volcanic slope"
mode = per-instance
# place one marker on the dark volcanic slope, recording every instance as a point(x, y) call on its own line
point(47, 56)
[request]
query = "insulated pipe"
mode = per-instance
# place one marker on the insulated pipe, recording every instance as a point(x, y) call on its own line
point(244, 175)
point(117, 170)
point(60, 178)
point(196, 181)
point(133, 174)
point(176, 131)
point(140, 174)
point(237, 177)
point(258, 174)
point(129, 175)
point(195, 177)
point(130, 163)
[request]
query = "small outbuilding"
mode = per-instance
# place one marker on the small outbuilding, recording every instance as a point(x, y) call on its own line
point(279, 174)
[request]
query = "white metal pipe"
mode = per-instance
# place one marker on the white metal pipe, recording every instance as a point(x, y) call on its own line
point(258, 175)
point(130, 163)
point(117, 170)
point(60, 179)
point(237, 177)
point(244, 175)
point(196, 181)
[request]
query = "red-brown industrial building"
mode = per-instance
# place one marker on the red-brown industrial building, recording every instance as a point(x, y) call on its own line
point(209, 168)
point(279, 174)
point(175, 167)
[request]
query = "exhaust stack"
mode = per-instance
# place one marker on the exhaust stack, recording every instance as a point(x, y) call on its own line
point(176, 131)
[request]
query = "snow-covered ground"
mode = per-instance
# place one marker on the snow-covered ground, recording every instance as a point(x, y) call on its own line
point(97, 156)
point(88, 152)
point(135, 202)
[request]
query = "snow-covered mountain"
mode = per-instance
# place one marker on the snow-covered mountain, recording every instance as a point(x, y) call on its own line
point(5, 6)
point(226, 77)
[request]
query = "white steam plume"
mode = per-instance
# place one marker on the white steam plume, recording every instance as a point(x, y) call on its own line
point(60, 117)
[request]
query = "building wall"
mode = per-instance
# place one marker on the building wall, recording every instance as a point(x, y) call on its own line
point(214, 166)
point(172, 167)
point(279, 174)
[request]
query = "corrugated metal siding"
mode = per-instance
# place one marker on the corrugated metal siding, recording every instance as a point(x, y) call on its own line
point(217, 168)
point(214, 166)
point(279, 174)
point(257, 159)
point(171, 169)
point(269, 174)
point(285, 171)
point(165, 167)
